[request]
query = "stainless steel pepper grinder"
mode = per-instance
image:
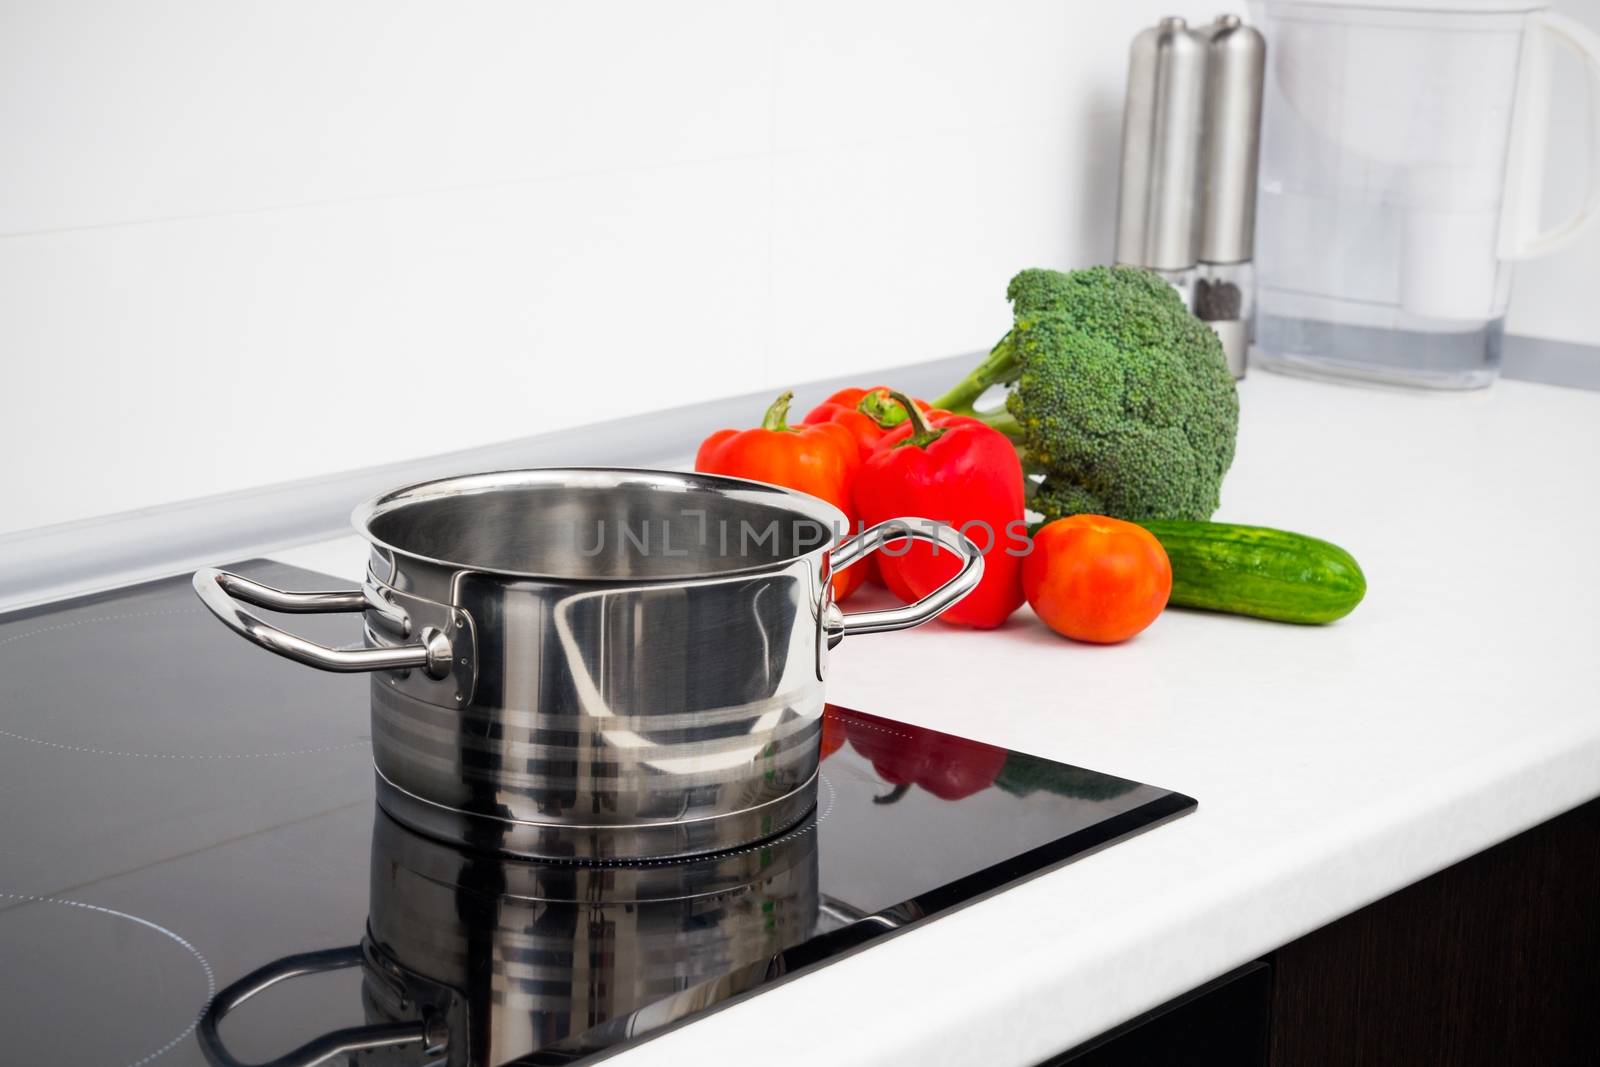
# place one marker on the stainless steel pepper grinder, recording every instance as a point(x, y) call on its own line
point(1190, 147)
point(1157, 216)
point(1225, 282)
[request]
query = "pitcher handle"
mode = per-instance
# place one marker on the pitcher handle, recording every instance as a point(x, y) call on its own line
point(1520, 236)
point(838, 625)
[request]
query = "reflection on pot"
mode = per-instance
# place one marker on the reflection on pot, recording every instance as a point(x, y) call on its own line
point(473, 959)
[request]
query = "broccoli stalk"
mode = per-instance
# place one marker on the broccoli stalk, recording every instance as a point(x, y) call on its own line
point(1118, 395)
point(1000, 368)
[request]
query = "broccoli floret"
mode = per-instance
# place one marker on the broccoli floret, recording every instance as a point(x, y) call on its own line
point(1120, 396)
point(1037, 290)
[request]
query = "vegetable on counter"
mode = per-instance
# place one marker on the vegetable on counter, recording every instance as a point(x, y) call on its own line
point(1096, 579)
point(957, 471)
point(1254, 570)
point(1120, 421)
point(820, 459)
point(868, 414)
point(1119, 396)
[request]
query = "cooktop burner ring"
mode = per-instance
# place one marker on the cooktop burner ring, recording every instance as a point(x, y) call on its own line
point(181, 755)
point(862, 724)
point(92, 750)
point(119, 617)
point(178, 939)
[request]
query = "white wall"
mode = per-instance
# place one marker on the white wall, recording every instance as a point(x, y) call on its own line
point(245, 242)
point(249, 242)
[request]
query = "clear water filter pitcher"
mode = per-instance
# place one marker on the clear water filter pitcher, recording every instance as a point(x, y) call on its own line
point(1402, 154)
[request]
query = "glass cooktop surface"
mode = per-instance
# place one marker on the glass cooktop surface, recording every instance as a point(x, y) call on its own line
point(189, 824)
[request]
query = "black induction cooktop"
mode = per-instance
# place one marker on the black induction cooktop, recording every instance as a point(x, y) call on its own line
point(181, 812)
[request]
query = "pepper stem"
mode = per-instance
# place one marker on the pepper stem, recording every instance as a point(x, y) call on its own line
point(894, 794)
point(880, 406)
point(922, 435)
point(777, 416)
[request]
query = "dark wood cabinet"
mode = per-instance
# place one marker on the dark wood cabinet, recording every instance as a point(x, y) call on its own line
point(1495, 960)
point(1222, 1022)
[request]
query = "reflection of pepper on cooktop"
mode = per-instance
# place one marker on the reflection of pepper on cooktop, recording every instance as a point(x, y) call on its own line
point(183, 811)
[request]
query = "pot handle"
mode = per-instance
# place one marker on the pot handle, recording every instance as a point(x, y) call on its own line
point(344, 1042)
point(221, 591)
point(838, 624)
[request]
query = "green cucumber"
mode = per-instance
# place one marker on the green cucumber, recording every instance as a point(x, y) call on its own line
point(1253, 570)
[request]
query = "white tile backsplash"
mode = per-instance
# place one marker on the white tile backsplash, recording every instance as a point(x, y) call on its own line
point(873, 73)
point(949, 217)
point(187, 357)
point(124, 112)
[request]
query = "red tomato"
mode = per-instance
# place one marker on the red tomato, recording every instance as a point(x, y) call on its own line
point(1096, 579)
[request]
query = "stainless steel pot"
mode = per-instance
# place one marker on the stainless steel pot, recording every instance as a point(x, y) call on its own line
point(472, 960)
point(596, 664)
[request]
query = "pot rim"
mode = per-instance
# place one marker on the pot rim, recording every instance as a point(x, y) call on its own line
point(801, 505)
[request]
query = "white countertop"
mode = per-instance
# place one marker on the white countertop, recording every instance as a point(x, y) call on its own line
point(1460, 704)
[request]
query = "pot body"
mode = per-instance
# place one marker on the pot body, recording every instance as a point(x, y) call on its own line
point(592, 664)
point(606, 722)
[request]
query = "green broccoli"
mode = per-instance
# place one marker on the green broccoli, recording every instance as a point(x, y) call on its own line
point(1119, 396)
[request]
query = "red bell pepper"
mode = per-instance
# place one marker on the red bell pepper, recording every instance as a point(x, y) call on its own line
point(821, 459)
point(951, 768)
point(867, 413)
point(958, 471)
